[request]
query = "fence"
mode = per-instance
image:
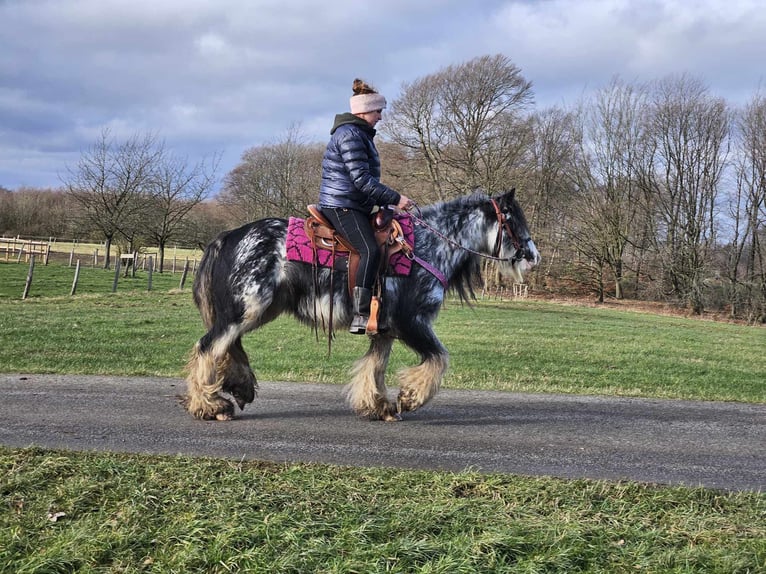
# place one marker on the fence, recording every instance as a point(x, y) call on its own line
point(118, 268)
point(514, 292)
point(24, 247)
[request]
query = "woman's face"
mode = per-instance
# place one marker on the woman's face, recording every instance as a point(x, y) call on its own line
point(372, 117)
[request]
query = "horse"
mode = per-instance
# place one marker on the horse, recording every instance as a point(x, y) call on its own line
point(245, 280)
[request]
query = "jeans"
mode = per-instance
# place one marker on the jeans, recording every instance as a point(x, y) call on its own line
point(355, 228)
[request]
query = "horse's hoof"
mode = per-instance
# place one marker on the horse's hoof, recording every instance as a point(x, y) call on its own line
point(243, 391)
point(391, 417)
point(221, 410)
point(406, 402)
point(389, 413)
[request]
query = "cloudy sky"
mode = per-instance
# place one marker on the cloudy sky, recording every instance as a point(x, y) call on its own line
point(220, 76)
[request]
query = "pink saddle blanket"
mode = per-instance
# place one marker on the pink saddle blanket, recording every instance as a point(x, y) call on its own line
point(299, 247)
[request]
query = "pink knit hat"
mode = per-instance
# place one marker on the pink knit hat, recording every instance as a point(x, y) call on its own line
point(362, 103)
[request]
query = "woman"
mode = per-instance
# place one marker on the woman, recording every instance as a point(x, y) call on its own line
point(351, 189)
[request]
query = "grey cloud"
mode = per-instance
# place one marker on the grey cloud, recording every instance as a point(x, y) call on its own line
point(224, 75)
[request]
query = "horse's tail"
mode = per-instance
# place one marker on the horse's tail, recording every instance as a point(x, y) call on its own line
point(203, 282)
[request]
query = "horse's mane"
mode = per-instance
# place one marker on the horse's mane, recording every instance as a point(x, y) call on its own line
point(449, 216)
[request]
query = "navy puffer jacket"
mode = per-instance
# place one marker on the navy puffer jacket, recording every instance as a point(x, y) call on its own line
point(351, 168)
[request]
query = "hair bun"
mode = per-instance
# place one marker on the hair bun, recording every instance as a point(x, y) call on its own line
point(362, 87)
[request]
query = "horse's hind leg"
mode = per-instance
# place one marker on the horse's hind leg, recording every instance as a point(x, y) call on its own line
point(366, 394)
point(238, 378)
point(207, 371)
point(418, 385)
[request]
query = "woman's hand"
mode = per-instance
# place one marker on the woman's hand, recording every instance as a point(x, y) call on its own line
point(404, 203)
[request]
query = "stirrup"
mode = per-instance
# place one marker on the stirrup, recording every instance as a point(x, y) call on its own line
point(373, 323)
point(358, 325)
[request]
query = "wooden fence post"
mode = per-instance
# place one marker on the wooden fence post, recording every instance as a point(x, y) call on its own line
point(76, 278)
point(29, 276)
point(151, 270)
point(185, 273)
point(116, 274)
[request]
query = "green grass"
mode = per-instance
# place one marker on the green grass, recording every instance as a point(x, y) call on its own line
point(511, 346)
point(128, 513)
point(56, 280)
point(131, 513)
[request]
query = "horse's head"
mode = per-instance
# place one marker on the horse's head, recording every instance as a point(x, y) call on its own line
point(513, 244)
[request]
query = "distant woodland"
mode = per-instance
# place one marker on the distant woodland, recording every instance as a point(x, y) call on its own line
point(653, 191)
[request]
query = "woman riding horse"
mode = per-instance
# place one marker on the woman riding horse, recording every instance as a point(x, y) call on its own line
point(351, 189)
point(246, 280)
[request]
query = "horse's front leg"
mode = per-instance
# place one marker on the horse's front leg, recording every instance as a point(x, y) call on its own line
point(418, 384)
point(366, 394)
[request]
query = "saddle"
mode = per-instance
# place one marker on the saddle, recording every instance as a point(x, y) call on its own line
point(388, 233)
point(390, 239)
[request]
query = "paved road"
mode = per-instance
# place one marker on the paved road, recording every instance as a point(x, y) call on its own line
point(718, 445)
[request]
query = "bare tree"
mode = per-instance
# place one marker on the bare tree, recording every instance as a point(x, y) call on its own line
point(274, 180)
point(746, 262)
point(31, 212)
point(686, 150)
point(7, 220)
point(548, 187)
point(108, 181)
point(176, 188)
point(466, 123)
point(405, 171)
point(205, 220)
point(608, 202)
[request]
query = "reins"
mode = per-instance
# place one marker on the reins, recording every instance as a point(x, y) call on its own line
point(502, 224)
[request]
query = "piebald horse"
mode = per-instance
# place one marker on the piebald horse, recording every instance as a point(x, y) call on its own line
point(245, 280)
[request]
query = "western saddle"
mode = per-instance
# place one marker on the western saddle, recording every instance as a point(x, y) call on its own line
point(390, 239)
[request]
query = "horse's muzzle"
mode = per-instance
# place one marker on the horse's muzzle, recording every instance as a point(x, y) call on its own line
point(527, 252)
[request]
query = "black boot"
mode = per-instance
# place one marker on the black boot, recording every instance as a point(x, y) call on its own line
point(362, 298)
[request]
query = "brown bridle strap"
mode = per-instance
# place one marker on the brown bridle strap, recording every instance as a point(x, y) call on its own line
point(502, 224)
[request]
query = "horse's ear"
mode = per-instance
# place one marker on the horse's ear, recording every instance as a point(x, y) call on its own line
point(506, 198)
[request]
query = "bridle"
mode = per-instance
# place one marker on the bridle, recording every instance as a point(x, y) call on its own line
point(502, 226)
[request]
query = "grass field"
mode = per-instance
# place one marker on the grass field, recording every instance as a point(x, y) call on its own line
point(74, 512)
point(86, 512)
point(512, 346)
point(83, 250)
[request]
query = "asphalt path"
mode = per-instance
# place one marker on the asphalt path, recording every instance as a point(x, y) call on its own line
point(711, 444)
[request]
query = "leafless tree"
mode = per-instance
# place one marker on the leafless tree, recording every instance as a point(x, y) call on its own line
point(108, 181)
point(746, 264)
point(32, 212)
point(608, 201)
point(203, 223)
point(681, 168)
point(176, 188)
point(274, 180)
point(405, 172)
point(547, 188)
point(466, 123)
